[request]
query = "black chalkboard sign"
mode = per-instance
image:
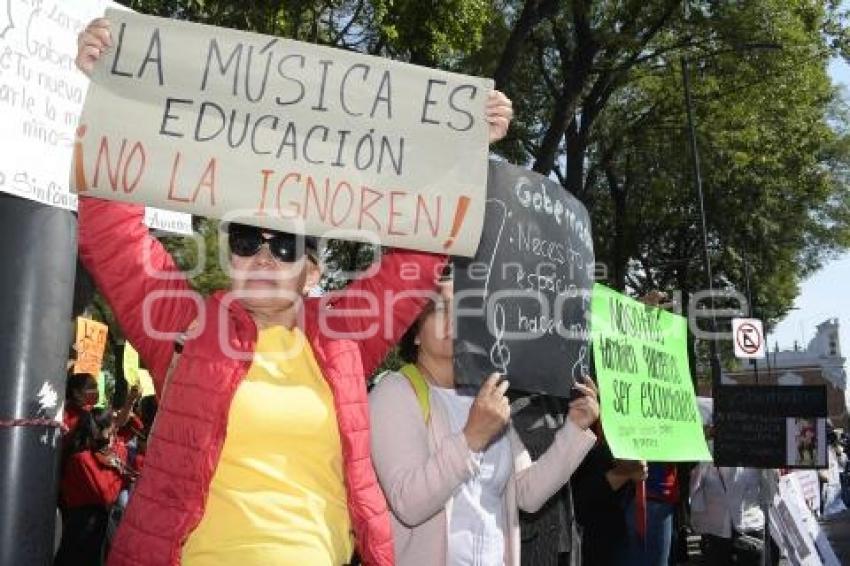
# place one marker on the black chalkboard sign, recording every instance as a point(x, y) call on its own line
point(759, 426)
point(522, 303)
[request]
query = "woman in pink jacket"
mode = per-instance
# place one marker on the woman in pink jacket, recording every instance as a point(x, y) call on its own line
point(454, 472)
point(260, 454)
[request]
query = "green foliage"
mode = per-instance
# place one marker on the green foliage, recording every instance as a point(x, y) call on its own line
point(200, 255)
point(430, 32)
point(599, 97)
point(772, 166)
point(434, 32)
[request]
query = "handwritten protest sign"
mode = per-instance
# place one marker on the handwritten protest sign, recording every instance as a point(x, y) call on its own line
point(285, 135)
point(649, 410)
point(41, 94)
point(90, 344)
point(168, 221)
point(41, 97)
point(522, 301)
point(134, 374)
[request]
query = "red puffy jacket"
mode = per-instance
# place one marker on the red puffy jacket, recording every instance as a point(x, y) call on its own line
point(87, 481)
point(148, 292)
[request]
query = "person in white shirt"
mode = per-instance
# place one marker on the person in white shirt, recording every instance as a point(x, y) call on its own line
point(724, 504)
point(454, 471)
point(831, 501)
point(725, 508)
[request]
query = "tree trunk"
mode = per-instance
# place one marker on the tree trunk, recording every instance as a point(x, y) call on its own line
point(618, 241)
point(533, 11)
point(545, 158)
point(568, 102)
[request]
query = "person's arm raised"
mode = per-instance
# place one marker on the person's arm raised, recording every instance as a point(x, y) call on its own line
point(148, 293)
point(376, 310)
point(92, 42)
point(499, 112)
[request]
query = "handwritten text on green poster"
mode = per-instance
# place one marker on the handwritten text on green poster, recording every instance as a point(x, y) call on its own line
point(649, 410)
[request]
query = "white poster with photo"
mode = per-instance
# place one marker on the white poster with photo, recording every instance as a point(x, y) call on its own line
point(41, 97)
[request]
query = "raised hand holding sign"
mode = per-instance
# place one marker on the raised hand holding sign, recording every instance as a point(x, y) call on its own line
point(283, 134)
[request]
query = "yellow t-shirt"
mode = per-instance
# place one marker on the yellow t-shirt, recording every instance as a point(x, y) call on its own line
point(277, 496)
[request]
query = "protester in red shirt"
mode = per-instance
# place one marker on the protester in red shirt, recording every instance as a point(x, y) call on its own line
point(81, 395)
point(92, 477)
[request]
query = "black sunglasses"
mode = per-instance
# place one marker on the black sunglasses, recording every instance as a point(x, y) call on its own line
point(246, 241)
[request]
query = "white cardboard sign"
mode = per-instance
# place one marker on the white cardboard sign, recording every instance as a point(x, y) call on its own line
point(285, 135)
point(41, 96)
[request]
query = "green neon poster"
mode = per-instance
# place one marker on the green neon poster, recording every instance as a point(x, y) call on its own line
point(648, 406)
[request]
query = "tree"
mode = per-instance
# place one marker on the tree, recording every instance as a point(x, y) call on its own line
point(771, 163)
point(599, 97)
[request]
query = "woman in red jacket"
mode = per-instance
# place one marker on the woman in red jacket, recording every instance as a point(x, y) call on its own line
point(260, 453)
point(91, 480)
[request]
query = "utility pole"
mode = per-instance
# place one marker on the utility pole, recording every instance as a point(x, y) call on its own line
point(713, 350)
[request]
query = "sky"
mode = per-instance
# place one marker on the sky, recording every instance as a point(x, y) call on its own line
point(826, 294)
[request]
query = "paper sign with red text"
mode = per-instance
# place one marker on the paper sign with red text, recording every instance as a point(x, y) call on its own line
point(90, 344)
point(285, 135)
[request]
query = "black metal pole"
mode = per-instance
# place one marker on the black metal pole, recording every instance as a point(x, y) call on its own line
point(750, 310)
point(706, 258)
point(38, 254)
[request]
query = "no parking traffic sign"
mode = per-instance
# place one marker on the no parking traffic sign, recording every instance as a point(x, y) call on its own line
point(748, 336)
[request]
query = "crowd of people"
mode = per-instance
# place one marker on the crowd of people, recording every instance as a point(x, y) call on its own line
point(103, 452)
point(269, 449)
point(455, 482)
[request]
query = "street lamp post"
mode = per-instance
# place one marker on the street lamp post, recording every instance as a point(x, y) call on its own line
point(714, 355)
point(706, 258)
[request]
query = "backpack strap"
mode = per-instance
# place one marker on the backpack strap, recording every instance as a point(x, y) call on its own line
point(420, 388)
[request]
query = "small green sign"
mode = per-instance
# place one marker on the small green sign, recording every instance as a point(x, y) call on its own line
point(649, 410)
point(101, 390)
